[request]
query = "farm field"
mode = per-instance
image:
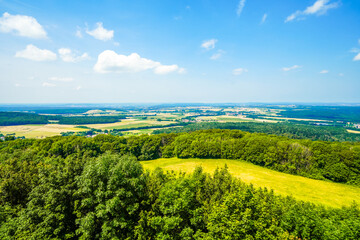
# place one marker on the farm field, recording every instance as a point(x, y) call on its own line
point(353, 131)
point(49, 130)
point(38, 130)
point(224, 118)
point(316, 191)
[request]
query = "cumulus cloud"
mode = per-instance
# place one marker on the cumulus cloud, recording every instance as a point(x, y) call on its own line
point(33, 53)
point(47, 84)
point(357, 57)
point(217, 55)
point(320, 7)
point(209, 44)
point(67, 56)
point(240, 7)
point(239, 71)
point(286, 69)
point(21, 25)
point(101, 33)
point(264, 18)
point(324, 71)
point(110, 61)
point(61, 79)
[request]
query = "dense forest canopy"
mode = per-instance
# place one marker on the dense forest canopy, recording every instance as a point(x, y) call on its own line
point(21, 118)
point(95, 188)
point(110, 196)
point(334, 113)
point(290, 130)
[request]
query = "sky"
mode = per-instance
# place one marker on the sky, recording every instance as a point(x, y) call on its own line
point(161, 51)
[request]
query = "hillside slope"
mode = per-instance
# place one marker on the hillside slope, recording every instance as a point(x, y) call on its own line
point(316, 191)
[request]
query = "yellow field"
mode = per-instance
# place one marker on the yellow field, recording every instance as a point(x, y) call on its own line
point(128, 123)
point(49, 130)
point(38, 130)
point(316, 191)
point(353, 131)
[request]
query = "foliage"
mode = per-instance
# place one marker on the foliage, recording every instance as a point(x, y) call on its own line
point(290, 130)
point(18, 118)
point(94, 188)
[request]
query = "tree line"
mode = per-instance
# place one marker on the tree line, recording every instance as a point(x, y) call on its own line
point(290, 130)
point(21, 118)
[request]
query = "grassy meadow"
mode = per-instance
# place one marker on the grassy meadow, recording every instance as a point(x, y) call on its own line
point(316, 191)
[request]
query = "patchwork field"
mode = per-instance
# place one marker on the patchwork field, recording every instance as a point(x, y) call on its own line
point(316, 191)
point(48, 130)
point(38, 130)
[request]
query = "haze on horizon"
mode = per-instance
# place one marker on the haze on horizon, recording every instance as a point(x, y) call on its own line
point(179, 51)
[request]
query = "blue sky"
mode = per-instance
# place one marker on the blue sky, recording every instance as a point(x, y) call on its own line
point(179, 51)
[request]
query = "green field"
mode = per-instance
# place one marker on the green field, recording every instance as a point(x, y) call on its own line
point(316, 191)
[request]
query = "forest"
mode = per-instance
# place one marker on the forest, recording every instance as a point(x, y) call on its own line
point(95, 188)
point(290, 130)
point(90, 119)
point(334, 113)
point(21, 118)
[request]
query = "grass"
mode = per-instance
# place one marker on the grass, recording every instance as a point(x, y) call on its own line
point(353, 131)
point(316, 191)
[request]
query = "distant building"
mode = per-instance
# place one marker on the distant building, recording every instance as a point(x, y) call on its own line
point(357, 125)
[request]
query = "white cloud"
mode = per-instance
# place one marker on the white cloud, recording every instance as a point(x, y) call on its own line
point(61, 79)
point(320, 7)
point(324, 71)
point(357, 57)
point(101, 33)
point(286, 69)
point(78, 88)
point(165, 69)
point(110, 61)
point(209, 44)
point(21, 25)
point(67, 56)
point(240, 7)
point(264, 18)
point(239, 71)
point(18, 85)
point(341, 74)
point(46, 84)
point(33, 53)
point(217, 55)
